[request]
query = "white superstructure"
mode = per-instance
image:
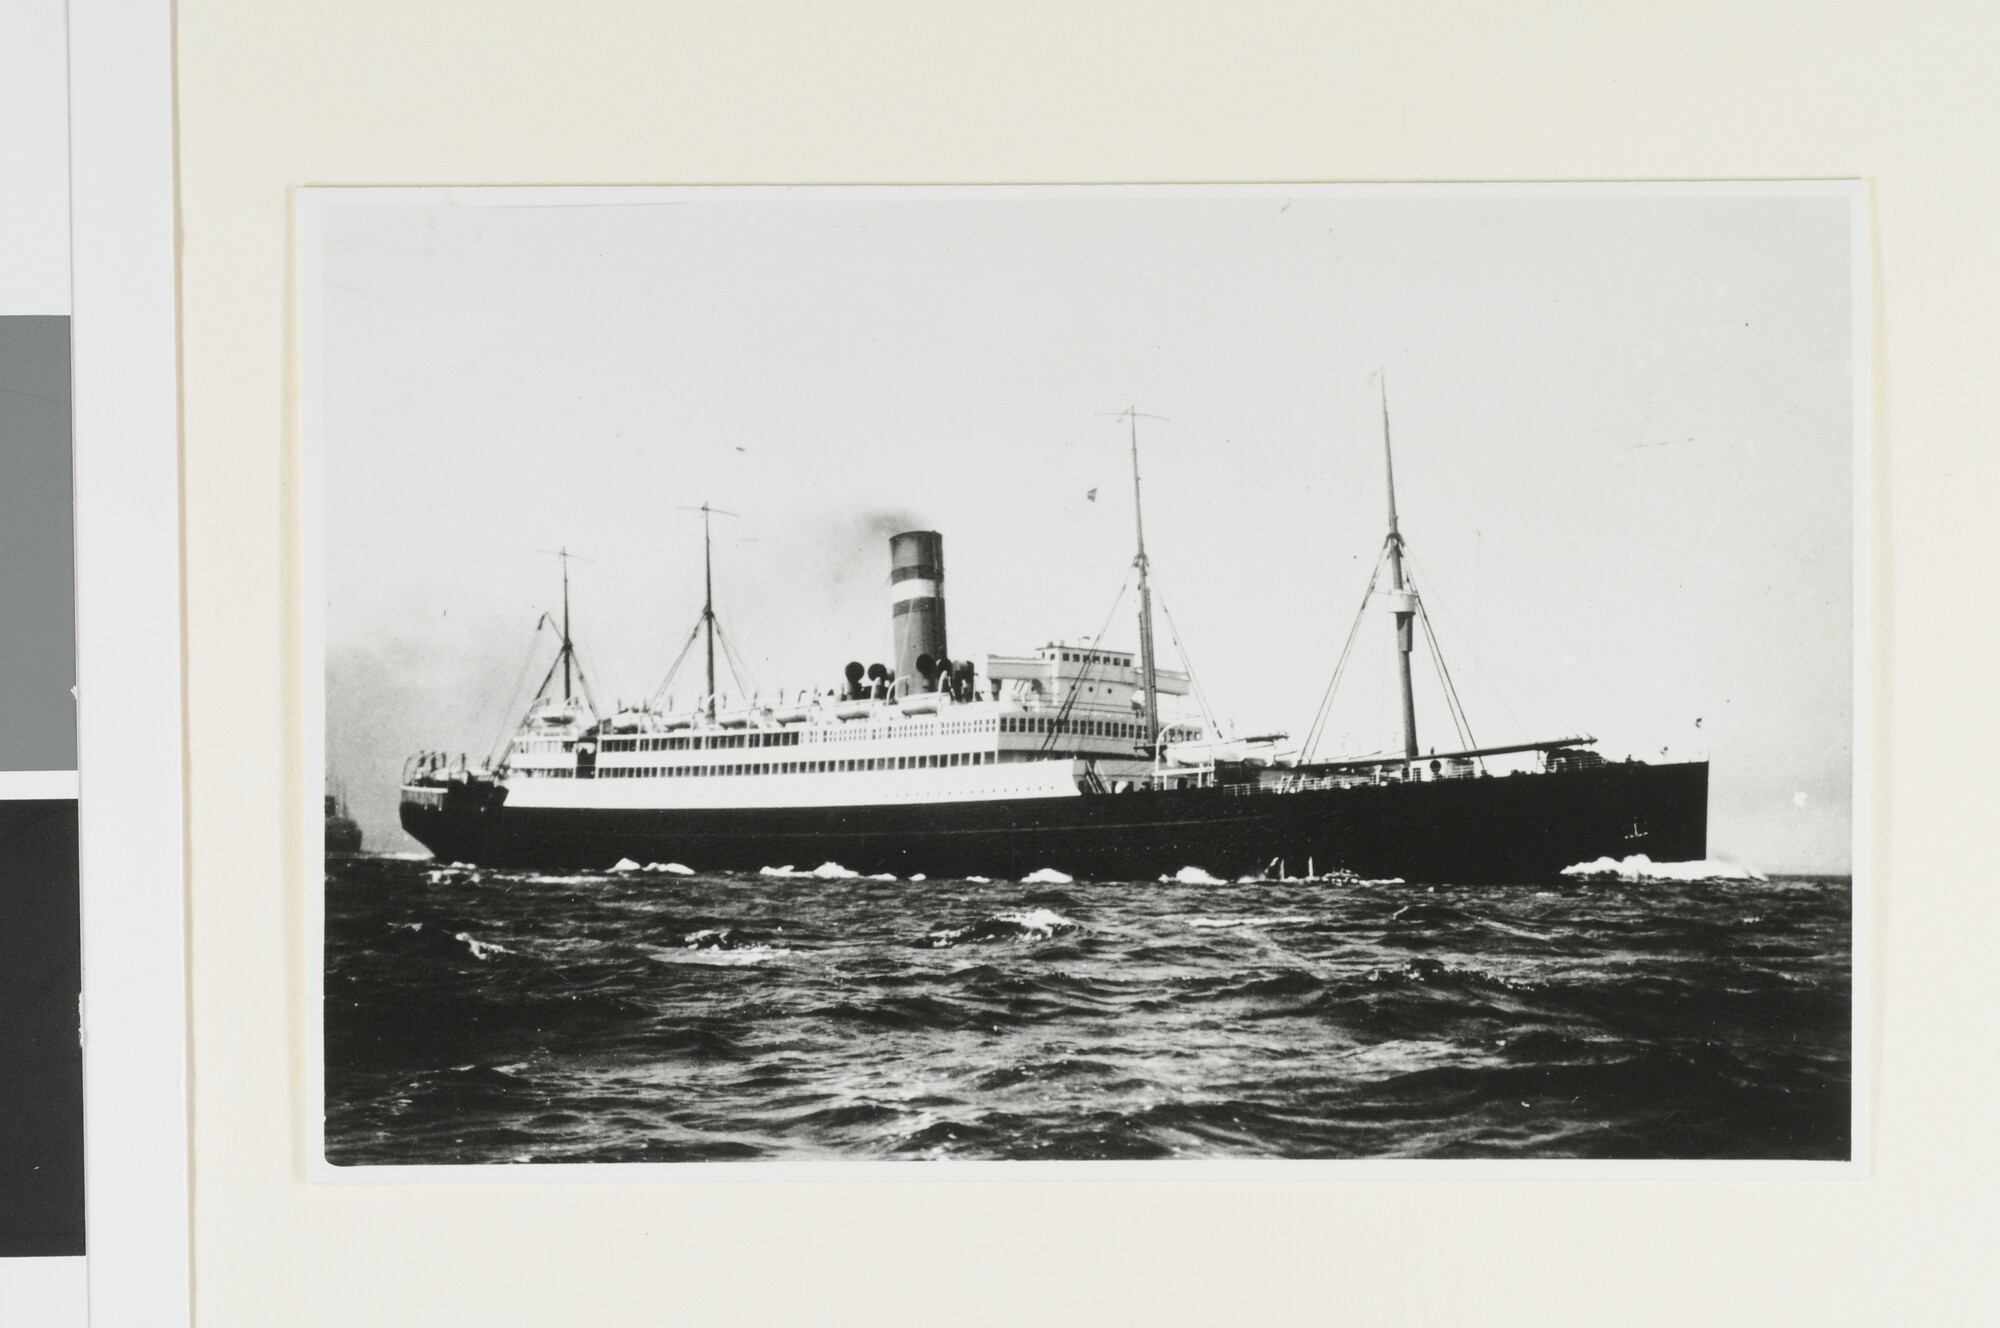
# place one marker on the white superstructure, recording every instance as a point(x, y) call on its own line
point(1056, 723)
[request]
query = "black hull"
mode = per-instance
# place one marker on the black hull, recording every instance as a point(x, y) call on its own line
point(1515, 828)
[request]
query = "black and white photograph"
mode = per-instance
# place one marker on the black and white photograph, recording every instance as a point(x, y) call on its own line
point(1079, 675)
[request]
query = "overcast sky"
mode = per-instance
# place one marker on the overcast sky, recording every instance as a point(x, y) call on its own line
point(1623, 432)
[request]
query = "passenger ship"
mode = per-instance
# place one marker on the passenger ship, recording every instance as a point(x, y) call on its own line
point(1059, 759)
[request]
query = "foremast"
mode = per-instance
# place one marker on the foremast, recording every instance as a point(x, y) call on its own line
point(566, 655)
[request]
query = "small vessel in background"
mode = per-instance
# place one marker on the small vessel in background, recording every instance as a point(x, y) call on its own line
point(343, 834)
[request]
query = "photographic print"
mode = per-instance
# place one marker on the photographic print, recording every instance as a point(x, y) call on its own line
point(1066, 675)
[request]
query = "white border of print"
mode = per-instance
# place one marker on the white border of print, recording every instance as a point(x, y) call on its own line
point(124, 349)
point(310, 202)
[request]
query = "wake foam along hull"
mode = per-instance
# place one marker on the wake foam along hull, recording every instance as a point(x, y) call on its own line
point(1513, 828)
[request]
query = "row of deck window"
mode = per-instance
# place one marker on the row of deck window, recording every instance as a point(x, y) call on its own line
point(936, 760)
point(705, 742)
point(696, 742)
point(1085, 728)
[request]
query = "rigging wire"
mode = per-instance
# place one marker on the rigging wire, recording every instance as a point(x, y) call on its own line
point(1450, 683)
point(1453, 706)
point(583, 681)
point(508, 722)
point(1317, 730)
point(673, 670)
point(1480, 664)
point(738, 669)
point(1056, 728)
point(1194, 681)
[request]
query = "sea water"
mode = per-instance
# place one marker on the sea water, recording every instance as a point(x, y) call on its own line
point(480, 1016)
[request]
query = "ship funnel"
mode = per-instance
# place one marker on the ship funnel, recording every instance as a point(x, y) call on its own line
point(916, 595)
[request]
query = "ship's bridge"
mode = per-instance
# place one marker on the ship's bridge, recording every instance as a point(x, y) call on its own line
point(1097, 682)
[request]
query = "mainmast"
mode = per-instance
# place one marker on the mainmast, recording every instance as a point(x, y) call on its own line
point(708, 594)
point(1147, 670)
point(1402, 600)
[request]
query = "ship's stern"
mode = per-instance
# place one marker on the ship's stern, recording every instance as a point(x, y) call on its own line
point(455, 816)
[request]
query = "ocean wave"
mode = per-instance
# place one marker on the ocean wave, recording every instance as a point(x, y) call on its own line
point(1047, 876)
point(1108, 1020)
point(742, 956)
point(481, 949)
point(1431, 915)
point(1192, 876)
point(1640, 869)
point(826, 871)
point(1040, 924)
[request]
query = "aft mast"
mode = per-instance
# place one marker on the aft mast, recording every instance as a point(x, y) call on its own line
point(1148, 672)
point(1402, 599)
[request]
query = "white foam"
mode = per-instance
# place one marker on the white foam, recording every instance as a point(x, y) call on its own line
point(1640, 868)
point(1042, 921)
point(1047, 876)
point(919, 876)
point(625, 865)
point(480, 949)
point(785, 870)
point(980, 880)
point(742, 958)
point(1247, 922)
point(883, 876)
point(671, 868)
point(1194, 876)
point(833, 871)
